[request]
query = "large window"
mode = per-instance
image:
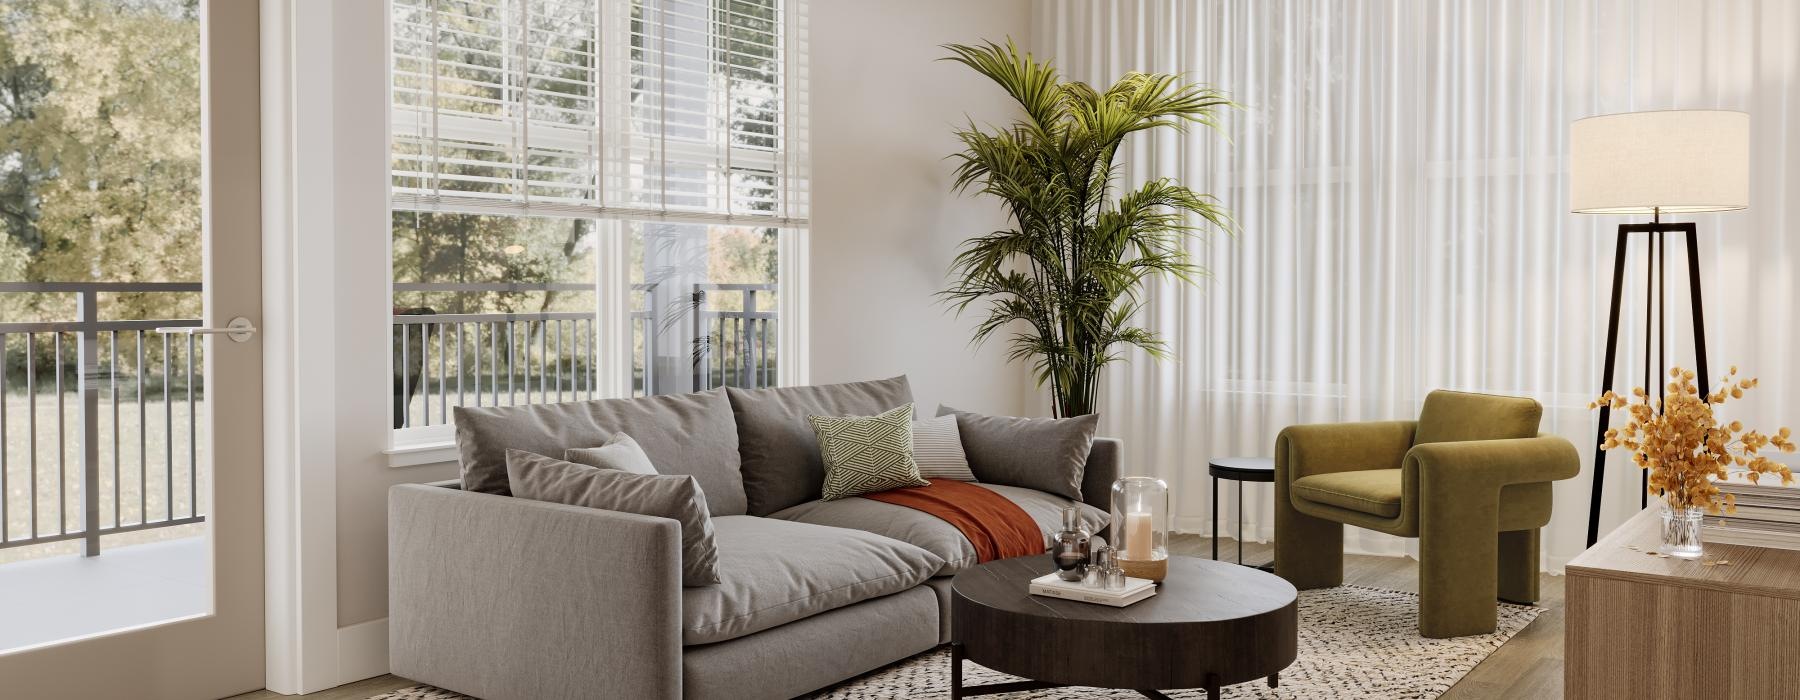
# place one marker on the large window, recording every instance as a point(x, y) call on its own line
point(590, 197)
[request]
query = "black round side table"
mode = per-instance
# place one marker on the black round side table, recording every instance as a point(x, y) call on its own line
point(1239, 469)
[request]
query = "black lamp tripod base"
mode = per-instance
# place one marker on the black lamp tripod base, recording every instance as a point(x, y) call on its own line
point(1653, 372)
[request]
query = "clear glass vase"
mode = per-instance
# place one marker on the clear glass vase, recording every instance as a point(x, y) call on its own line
point(1681, 532)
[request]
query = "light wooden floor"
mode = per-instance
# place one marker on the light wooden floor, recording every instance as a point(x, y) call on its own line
point(1528, 666)
point(353, 691)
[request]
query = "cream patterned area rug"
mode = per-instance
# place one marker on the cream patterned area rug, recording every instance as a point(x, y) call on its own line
point(1355, 644)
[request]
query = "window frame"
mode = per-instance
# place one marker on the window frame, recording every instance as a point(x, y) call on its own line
point(614, 356)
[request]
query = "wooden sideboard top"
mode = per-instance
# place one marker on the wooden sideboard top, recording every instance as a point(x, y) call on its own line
point(1755, 570)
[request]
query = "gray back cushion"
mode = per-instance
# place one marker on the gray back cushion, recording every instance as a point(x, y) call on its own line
point(1047, 454)
point(780, 453)
point(678, 498)
point(684, 434)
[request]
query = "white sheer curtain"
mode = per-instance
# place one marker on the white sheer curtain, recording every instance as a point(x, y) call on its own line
point(1399, 173)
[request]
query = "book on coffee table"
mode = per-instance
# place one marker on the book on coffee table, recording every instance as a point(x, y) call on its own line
point(1052, 586)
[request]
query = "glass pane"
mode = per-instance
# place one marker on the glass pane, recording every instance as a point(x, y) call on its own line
point(100, 188)
point(704, 307)
point(490, 310)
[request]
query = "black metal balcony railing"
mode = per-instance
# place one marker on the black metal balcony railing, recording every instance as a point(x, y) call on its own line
point(100, 419)
point(119, 376)
point(735, 348)
point(445, 360)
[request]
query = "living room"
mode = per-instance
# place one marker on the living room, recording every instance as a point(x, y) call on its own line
point(442, 349)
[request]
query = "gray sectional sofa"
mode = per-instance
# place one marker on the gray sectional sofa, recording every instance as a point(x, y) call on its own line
point(505, 598)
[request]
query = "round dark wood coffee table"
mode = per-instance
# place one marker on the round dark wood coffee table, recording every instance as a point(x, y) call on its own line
point(1210, 624)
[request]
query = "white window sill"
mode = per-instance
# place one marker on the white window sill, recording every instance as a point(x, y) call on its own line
point(413, 447)
point(415, 455)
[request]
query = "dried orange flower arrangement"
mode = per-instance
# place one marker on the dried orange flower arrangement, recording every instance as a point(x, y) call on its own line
point(1686, 448)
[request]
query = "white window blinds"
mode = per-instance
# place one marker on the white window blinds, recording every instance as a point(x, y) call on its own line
point(688, 110)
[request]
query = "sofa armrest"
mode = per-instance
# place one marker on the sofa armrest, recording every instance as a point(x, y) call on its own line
point(1326, 448)
point(1101, 471)
point(503, 598)
point(1493, 463)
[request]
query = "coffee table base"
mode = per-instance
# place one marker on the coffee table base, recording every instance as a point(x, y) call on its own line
point(958, 691)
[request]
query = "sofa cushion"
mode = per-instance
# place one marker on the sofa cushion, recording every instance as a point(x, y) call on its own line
point(865, 454)
point(678, 498)
point(937, 448)
point(1372, 491)
point(821, 651)
point(620, 452)
point(1046, 454)
point(779, 453)
point(1456, 416)
point(688, 434)
point(933, 534)
point(773, 572)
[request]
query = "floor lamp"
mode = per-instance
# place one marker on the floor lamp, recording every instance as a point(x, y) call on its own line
point(1655, 163)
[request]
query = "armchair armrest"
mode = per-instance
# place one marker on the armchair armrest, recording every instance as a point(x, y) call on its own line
point(1326, 448)
point(1494, 462)
point(502, 598)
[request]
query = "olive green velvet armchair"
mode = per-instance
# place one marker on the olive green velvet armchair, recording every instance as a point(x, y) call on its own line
point(1470, 478)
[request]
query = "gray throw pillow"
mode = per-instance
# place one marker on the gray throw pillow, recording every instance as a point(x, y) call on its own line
point(780, 454)
point(937, 448)
point(539, 478)
point(691, 434)
point(1047, 454)
point(620, 452)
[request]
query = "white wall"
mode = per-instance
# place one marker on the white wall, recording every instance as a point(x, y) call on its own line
point(885, 224)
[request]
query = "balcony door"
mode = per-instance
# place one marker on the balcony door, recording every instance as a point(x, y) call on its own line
point(131, 442)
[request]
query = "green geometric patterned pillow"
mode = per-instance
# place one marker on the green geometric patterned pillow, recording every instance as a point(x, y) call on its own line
point(865, 454)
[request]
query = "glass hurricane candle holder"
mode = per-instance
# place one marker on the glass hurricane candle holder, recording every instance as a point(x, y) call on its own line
point(1140, 521)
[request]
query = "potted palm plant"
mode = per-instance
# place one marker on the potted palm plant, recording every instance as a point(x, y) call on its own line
point(1072, 268)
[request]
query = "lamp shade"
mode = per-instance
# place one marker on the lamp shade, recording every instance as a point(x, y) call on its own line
point(1678, 161)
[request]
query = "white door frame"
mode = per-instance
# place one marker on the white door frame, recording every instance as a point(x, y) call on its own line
point(328, 311)
point(299, 334)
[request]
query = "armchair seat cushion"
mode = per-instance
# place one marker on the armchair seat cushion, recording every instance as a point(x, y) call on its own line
point(1375, 492)
point(773, 572)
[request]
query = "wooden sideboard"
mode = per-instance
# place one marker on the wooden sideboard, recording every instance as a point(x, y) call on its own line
point(1641, 626)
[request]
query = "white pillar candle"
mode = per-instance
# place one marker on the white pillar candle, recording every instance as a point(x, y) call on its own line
point(1138, 537)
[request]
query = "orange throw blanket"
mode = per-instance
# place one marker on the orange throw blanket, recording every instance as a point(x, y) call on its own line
point(997, 527)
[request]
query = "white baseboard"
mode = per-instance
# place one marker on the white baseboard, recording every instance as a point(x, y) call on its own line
point(362, 650)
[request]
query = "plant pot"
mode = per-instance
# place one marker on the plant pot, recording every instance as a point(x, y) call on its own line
point(1681, 532)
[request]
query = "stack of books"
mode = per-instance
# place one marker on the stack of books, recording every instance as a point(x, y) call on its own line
point(1768, 514)
point(1052, 586)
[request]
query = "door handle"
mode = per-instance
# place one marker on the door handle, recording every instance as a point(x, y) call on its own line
point(238, 330)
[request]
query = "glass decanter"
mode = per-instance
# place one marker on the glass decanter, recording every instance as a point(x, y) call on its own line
point(1069, 547)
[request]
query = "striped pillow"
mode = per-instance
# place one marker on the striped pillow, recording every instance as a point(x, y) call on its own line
point(937, 448)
